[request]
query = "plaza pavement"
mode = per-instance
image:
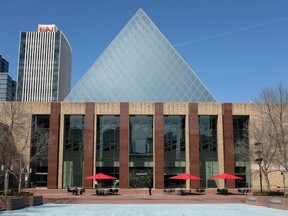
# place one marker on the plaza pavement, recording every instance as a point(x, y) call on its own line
point(138, 196)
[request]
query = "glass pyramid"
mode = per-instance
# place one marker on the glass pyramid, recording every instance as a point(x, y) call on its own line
point(140, 65)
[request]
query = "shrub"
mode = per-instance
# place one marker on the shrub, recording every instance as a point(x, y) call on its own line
point(269, 193)
point(17, 194)
point(25, 193)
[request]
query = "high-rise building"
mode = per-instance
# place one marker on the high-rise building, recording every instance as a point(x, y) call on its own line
point(45, 64)
point(140, 65)
point(7, 87)
point(4, 64)
point(7, 84)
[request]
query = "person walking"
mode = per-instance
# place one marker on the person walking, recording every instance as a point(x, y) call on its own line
point(149, 186)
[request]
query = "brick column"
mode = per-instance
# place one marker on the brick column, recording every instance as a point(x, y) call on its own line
point(194, 157)
point(229, 160)
point(124, 146)
point(53, 152)
point(89, 143)
point(159, 146)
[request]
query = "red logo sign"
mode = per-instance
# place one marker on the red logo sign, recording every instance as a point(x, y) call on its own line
point(46, 29)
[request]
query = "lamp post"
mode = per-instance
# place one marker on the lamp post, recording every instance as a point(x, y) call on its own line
point(283, 179)
point(259, 160)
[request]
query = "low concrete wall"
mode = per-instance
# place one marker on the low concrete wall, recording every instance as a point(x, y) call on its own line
point(278, 202)
point(257, 200)
point(34, 200)
point(12, 203)
point(269, 201)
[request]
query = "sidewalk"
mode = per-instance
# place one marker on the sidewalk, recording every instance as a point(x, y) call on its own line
point(137, 196)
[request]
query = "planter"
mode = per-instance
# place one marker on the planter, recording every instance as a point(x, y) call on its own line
point(33, 200)
point(278, 202)
point(257, 200)
point(12, 203)
point(268, 201)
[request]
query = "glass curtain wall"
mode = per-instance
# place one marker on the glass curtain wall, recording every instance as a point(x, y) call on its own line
point(140, 150)
point(208, 150)
point(174, 150)
point(73, 150)
point(107, 148)
point(241, 147)
point(39, 138)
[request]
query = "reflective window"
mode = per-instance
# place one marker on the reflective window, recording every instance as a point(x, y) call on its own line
point(73, 150)
point(208, 133)
point(140, 150)
point(174, 135)
point(241, 149)
point(141, 142)
point(240, 131)
point(107, 146)
point(174, 149)
point(208, 150)
point(39, 138)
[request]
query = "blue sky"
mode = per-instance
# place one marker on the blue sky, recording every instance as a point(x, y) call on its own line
point(236, 47)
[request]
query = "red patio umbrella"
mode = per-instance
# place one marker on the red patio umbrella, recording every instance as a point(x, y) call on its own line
point(185, 176)
point(101, 176)
point(226, 176)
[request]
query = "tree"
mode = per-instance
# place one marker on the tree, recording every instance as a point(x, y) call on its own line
point(264, 150)
point(269, 129)
point(22, 145)
point(273, 107)
point(7, 147)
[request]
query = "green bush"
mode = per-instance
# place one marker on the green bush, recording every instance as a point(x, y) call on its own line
point(17, 194)
point(269, 193)
point(25, 193)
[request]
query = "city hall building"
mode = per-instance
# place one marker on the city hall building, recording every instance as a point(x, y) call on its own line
point(140, 112)
point(135, 141)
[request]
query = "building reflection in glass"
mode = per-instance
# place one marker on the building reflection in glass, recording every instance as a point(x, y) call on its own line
point(107, 146)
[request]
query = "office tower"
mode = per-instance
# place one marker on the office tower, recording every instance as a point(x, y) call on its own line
point(4, 64)
point(45, 60)
point(7, 84)
point(140, 65)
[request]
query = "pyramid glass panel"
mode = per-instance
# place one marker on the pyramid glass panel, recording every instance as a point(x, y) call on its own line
point(140, 65)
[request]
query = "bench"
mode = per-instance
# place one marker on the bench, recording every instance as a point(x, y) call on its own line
point(244, 190)
point(223, 191)
point(200, 190)
point(76, 190)
point(169, 190)
point(185, 192)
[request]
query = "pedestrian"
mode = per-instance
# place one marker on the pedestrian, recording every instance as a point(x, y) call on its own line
point(96, 184)
point(149, 185)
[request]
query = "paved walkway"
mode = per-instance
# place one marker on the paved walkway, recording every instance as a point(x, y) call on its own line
point(146, 210)
point(139, 196)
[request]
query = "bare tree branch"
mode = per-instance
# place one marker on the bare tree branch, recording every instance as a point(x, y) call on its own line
point(270, 129)
point(17, 130)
